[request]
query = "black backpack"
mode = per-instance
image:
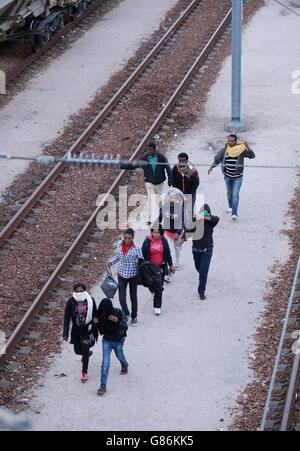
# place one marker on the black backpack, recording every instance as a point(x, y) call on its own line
point(150, 276)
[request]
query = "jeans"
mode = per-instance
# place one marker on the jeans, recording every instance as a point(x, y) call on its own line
point(157, 301)
point(133, 295)
point(107, 347)
point(233, 192)
point(202, 262)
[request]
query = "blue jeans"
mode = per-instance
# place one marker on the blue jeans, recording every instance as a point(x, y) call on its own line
point(202, 263)
point(107, 347)
point(233, 192)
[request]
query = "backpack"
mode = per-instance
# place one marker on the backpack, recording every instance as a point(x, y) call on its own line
point(150, 276)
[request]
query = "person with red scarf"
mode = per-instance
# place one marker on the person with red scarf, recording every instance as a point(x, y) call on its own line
point(127, 257)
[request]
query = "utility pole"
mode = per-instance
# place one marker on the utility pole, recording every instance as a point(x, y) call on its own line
point(236, 124)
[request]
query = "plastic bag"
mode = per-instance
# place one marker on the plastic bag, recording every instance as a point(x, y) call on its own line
point(109, 286)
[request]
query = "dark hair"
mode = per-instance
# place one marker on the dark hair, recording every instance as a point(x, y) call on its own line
point(159, 228)
point(183, 155)
point(129, 232)
point(79, 285)
point(152, 145)
point(233, 135)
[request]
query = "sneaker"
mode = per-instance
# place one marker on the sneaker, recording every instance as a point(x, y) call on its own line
point(202, 297)
point(84, 378)
point(157, 311)
point(168, 279)
point(234, 217)
point(101, 390)
point(134, 322)
point(229, 210)
point(124, 370)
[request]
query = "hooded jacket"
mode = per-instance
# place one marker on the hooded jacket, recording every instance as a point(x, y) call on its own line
point(203, 233)
point(110, 330)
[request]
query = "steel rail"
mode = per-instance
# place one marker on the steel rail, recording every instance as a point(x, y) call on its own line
point(39, 301)
point(9, 229)
point(263, 426)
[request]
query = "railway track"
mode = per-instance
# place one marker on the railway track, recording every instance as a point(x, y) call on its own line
point(109, 117)
point(282, 409)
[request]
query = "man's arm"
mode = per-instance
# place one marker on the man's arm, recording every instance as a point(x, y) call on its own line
point(248, 153)
point(218, 159)
point(67, 319)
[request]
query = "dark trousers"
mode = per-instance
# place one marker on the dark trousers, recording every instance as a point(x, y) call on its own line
point(157, 301)
point(80, 349)
point(202, 263)
point(133, 283)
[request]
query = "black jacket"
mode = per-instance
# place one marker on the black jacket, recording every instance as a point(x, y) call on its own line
point(188, 185)
point(77, 333)
point(160, 171)
point(150, 276)
point(110, 330)
point(203, 233)
point(167, 252)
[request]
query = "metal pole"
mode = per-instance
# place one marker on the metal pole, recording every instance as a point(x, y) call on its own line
point(236, 124)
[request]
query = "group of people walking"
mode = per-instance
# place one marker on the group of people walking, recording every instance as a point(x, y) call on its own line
point(160, 250)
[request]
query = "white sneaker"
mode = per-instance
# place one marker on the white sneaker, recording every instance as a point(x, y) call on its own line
point(229, 210)
point(168, 278)
point(157, 311)
point(234, 217)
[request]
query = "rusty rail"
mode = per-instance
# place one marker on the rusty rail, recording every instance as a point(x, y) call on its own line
point(294, 378)
point(9, 229)
point(39, 301)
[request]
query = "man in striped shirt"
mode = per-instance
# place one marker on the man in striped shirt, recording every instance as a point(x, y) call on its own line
point(232, 159)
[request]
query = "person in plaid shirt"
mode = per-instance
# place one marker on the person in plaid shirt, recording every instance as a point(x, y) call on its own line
point(127, 257)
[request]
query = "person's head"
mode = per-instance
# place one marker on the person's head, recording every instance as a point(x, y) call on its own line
point(151, 149)
point(232, 140)
point(128, 236)
point(157, 232)
point(106, 307)
point(183, 160)
point(79, 287)
point(205, 210)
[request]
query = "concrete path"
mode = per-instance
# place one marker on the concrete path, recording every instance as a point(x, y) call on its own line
point(188, 366)
point(34, 117)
